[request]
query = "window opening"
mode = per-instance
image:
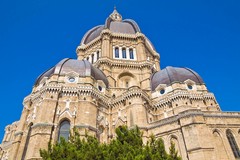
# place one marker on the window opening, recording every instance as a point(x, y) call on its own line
point(124, 54)
point(27, 141)
point(127, 84)
point(97, 55)
point(92, 58)
point(116, 52)
point(131, 54)
point(233, 144)
point(64, 130)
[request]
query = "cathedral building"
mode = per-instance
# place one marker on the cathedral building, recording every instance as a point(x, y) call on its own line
point(117, 80)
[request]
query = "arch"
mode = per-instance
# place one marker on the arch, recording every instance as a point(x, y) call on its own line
point(64, 129)
point(125, 74)
point(27, 140)
point(127, 79)
point(112, 81)
point(233, 143)
point(175, 141)
point(218, 131)
point(100, 132)
point(220, 150)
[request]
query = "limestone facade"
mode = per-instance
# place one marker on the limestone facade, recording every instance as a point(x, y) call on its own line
point(115, 81)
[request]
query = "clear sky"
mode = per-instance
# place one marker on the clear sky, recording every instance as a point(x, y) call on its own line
point(203, 35)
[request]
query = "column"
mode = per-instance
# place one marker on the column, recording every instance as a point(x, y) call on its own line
point(120, 52)
point(127, 52)
point(134, 54)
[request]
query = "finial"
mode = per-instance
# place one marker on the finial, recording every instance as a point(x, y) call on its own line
point(115, 15)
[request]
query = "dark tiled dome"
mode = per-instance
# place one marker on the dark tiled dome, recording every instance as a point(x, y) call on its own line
point(83, 68)
point(170, 75)
point(115, 24)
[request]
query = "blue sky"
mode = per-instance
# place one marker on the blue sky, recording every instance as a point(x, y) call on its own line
point(36, 34)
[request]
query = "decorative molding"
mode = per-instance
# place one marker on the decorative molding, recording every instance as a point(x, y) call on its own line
point(86, 126)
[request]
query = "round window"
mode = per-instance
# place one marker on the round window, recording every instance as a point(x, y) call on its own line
point(162, 91)
point(71, 79)
point(99, 88)
point(190, 86)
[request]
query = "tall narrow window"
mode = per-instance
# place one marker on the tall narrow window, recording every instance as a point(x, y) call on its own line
point(124, 54)
point(127, 84)
point(116, 52)
point(64, 130)
point(97, 55)
point(233, 144)
point(92, 58)
point(27, 141)
point(131, 54)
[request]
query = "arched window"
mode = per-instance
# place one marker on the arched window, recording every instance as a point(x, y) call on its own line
point(64, 130)
point(116, 52)
point(233, 144)
point(124, 54)
point(97, 55)
point(131, 54)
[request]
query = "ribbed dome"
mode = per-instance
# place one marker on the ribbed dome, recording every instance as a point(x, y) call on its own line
point(170, 75)
point(115, 24)
point(83, 68)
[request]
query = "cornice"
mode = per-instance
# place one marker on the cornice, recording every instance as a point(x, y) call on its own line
point(192, 113)
point(124, 63)
point(69, 91)
point(42, 125)
point(86, 126)
point(18, 133)
point(176, 96)
point(6, 145)
point(222, 114)
point(107, 33)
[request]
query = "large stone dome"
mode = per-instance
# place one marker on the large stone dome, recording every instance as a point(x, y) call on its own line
point(170, 75)
point(83, 68)
point(116, 25)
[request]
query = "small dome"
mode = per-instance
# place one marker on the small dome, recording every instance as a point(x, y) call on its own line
point(170, 75)
point(83, 68)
